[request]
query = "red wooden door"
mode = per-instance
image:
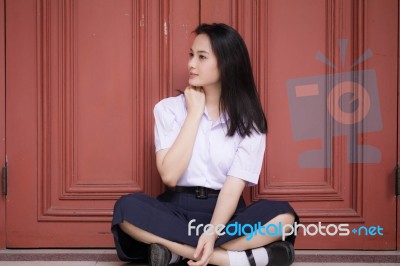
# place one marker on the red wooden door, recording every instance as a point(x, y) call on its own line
point(83, 77)
point(82, 80)
point(327, 76)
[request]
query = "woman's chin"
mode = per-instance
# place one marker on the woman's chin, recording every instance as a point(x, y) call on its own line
point(195, 84)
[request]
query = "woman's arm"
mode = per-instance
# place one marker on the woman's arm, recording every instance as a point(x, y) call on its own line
point(228, 199)
point(172, 162)
point(227, 202)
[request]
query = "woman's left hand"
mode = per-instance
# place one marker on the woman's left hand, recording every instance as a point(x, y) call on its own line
point(204, 249)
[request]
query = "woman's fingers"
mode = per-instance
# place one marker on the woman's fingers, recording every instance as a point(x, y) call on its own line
point(205, 248)
point(195, 99)
point(199, 249)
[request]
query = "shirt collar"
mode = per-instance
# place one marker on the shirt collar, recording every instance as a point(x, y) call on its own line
point(221, 120)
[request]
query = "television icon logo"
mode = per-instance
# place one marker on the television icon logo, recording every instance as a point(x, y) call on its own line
point(339, 104)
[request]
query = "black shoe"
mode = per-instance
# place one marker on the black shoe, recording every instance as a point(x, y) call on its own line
point(159, 255)
point(280, 253)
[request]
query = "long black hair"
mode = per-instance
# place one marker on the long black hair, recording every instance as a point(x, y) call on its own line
point(239, 98)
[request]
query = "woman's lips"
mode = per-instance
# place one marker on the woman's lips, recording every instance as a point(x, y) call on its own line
point(192, 75)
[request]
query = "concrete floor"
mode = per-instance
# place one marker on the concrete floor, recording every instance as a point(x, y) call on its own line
point(99, 263)
point(107, 257)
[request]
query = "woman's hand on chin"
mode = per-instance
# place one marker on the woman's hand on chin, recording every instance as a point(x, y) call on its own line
point(195, 100)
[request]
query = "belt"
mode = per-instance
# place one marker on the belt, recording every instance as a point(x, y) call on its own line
point(200, 192)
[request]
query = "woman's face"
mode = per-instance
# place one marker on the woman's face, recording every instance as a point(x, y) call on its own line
point(203, 65)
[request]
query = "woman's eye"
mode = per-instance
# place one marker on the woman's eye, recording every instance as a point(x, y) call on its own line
point(202, 57)
point(190, 54)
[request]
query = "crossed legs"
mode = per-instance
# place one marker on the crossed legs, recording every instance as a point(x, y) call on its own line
point(220, 256)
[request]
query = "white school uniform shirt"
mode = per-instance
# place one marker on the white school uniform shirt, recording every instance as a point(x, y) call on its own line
point(215, 155)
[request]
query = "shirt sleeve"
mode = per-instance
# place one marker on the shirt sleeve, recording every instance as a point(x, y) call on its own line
point(248, 159)
point(166, 127)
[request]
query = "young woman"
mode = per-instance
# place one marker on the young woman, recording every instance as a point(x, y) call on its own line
point(210, 144)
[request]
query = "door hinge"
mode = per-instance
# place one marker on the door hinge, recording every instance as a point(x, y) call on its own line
point(397, 180)
point(4, 179)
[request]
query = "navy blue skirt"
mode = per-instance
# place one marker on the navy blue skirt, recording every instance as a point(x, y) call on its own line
point(169, 215)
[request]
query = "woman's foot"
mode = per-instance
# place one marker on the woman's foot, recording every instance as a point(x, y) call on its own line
point(275, 254)
point(159, 255)
point(280, 253)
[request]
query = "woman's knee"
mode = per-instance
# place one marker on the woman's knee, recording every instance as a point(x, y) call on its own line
point(286, 219)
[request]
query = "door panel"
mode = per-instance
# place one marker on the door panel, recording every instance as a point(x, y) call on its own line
point(81, 117)
point(315, 158)
point(398, 133)
point(2, 125)
point(320, 172)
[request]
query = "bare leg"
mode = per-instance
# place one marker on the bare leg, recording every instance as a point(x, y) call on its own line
point(219, 257)
point(258, 240)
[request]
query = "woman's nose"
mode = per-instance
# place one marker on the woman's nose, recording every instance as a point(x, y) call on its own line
point(191, 63)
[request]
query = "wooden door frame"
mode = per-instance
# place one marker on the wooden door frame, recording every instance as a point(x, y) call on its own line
point(398, 123)
point(2, 121)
